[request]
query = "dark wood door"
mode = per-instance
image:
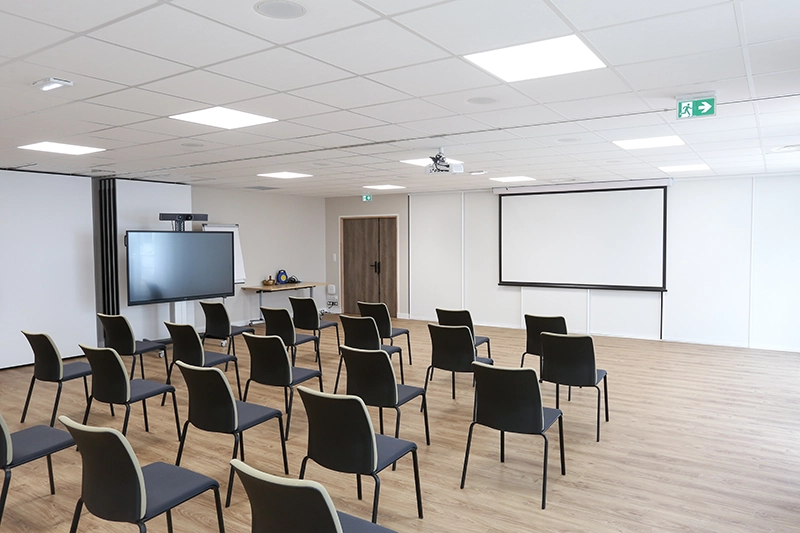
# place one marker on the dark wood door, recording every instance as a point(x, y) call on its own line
point(369, 263)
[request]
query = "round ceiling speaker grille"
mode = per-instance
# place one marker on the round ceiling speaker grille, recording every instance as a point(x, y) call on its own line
point(280, 9)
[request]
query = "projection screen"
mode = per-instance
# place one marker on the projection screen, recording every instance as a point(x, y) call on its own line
point(610, 239)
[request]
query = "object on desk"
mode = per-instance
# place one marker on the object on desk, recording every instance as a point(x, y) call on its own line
point(268, 282)
point(282, 277)
point(293, 279)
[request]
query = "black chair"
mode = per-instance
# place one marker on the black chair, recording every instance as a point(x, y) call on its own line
point(48, 366)
point(279, 322)
point(361, 332)
point(453, 350)
point(119, 335)
point(27, 445)
point(461, 317)
point(218, 325)
point(380, 312)
point(569, 360)
point(116, 488)
point(270, 365)
point(212, 407)
point(111, 385)
point(306, 317)
point(534, 327)
point(280, 504)
point(187, 347)
point(341, 438)
point(509, 399)
point(370, 376)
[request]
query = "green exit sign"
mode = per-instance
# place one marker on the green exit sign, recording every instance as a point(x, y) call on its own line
point(366, 198)
point(699, 107)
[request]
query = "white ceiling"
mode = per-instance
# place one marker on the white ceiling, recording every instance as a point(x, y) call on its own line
point(358, 85)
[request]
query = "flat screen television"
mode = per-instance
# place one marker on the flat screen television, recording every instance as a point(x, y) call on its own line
point(172, 266)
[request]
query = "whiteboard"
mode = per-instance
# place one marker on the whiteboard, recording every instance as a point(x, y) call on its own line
point(238, 258)
point(611, 239)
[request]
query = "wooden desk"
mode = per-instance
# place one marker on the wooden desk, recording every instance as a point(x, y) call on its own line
point(261, 289)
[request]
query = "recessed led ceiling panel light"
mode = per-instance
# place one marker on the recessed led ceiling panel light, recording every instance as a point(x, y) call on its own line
point(285, 175)
point(59, 148)
point(684, 168)
point(541, 59)
point(222, 117)
point(650, 142)
point(383, 187)
point(513, 179)
point(427, 161)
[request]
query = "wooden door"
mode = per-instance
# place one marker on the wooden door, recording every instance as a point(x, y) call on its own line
point(369, 262)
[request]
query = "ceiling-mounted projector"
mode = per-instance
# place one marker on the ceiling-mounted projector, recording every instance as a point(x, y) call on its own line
point(440, 164)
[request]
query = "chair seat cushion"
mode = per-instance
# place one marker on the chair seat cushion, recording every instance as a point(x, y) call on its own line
point(76, 370)
point(150, 346)
point(299, 374)
point(144, 388)
point(391, 349)
point(550, 416)
point(485, 360)
point(480, 340)
point(238, 330)
point(34, 442)
point(352, 524)
point(406, 393)
point(391, 449)
point(399, 331)
point(251, 414)
point(302, 338)
point(327, 324)
point(216, 358)
point(168, 486)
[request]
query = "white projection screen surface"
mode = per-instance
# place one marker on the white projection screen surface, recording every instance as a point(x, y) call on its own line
point(612, 239)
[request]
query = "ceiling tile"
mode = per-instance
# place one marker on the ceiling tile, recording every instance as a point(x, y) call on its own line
point(203, 86)
point(520, 116)
point(777, 84)
point(338, 121)
point(404, 111)
point(351, 93)
point(436, 77)
point(705, 67)
point(393, 7)
point(149, 102)
point(74, 15)
point(588, 15)
point(770, 20)
point(22, 75)
point(503, 95)
point(588, 84)
point(281, 106)
point(389, 132)
point(602, 106)
point(776, 56)
point(733, 90)
point(19, 36)
point(21, 101)
point(445, 125)
point(616, 123)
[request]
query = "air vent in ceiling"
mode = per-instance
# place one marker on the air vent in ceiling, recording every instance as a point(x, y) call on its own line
point(262, 188)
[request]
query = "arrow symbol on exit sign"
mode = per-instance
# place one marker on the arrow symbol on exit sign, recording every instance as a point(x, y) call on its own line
point(705, 107)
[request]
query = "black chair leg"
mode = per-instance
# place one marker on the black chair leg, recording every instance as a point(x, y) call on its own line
point(320, 383)
point(598, 412)
point(338, 374)
point(55, 405)
point(428, 376)
point(502, 446)
point(288, 403)
point(408, 341)
point(338, 342)
point(396, 431)
point(561, 445)
point(454, 384)
point(144, 412)
point(425, 417)
point(50, 474)
point(283, 446)
point(86, 413)
point(358, 485)
point(169, 382)
point(466, 455)
point(133, 367)
point(230, 478)
point(402, 376)
point(303, 467)
point(27, 400)
point(182, 440)
point(380, 418)
point(141, 365)
point(4, 492)
point(86, 388)
point(177, 418)
point(169, 521)
point(544, 472)
point(375, 499)
point(605, 393)
point(238, 383)
point(127, 417)
point(76, 516)
point(218, 502)
point(246, 389)
point(416, 482)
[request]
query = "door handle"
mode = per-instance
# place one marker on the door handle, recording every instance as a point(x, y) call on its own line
point(376, 266)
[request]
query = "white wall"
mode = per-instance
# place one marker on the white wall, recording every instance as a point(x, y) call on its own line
point(47, 282)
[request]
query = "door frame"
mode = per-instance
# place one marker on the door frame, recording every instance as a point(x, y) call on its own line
point(341, 248)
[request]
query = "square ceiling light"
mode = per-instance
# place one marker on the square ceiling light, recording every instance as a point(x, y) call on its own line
point(424, 162)
point(684, 168)
point(513, 179)
point(285, 175)
point(650, 142)
point(222, 117)
point(541, 59)
point(383, 187)
point(59, 148)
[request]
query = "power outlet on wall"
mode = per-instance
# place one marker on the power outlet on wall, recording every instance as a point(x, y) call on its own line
point(333, 301)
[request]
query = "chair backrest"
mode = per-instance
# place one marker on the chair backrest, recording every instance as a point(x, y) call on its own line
point(455, 317)
point(370, 376)
point(508, 399)
point(282, 504)
point(306, 314)
point(212, 406)
point(269, 360)
point(568, 360)
point(186, 344)
point(279, 322)
point(6, 446)
point(218, 323)
point(109, 376)
point(452, 348)
point(536, 325)
point(340, 432)
point(118, 333)
point(113, 485)
point(380, 312)
point(360, 332)
point(47, 364)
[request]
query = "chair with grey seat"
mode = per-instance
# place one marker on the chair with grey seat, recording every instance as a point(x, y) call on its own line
point(570, 360)
point(279, 322)
point(462, 317)
point(117, 488)
point(188, 347)
point(341, 438)
point(281, 504)
point(370, 376)
point(48, 366)
point(112, 385)
point(119, 335)
point(534, 327)
point(453, 350)
point(361, 332)
point(306, 317)
point(24, 446)
point(509, 399)
point(270, 365)
point(218, 325)
point(213, 408)
point(380, 312)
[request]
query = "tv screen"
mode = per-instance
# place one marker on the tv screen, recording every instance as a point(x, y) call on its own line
point(168, 266)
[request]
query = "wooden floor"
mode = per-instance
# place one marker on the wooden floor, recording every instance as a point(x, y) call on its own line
point(700, 439)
